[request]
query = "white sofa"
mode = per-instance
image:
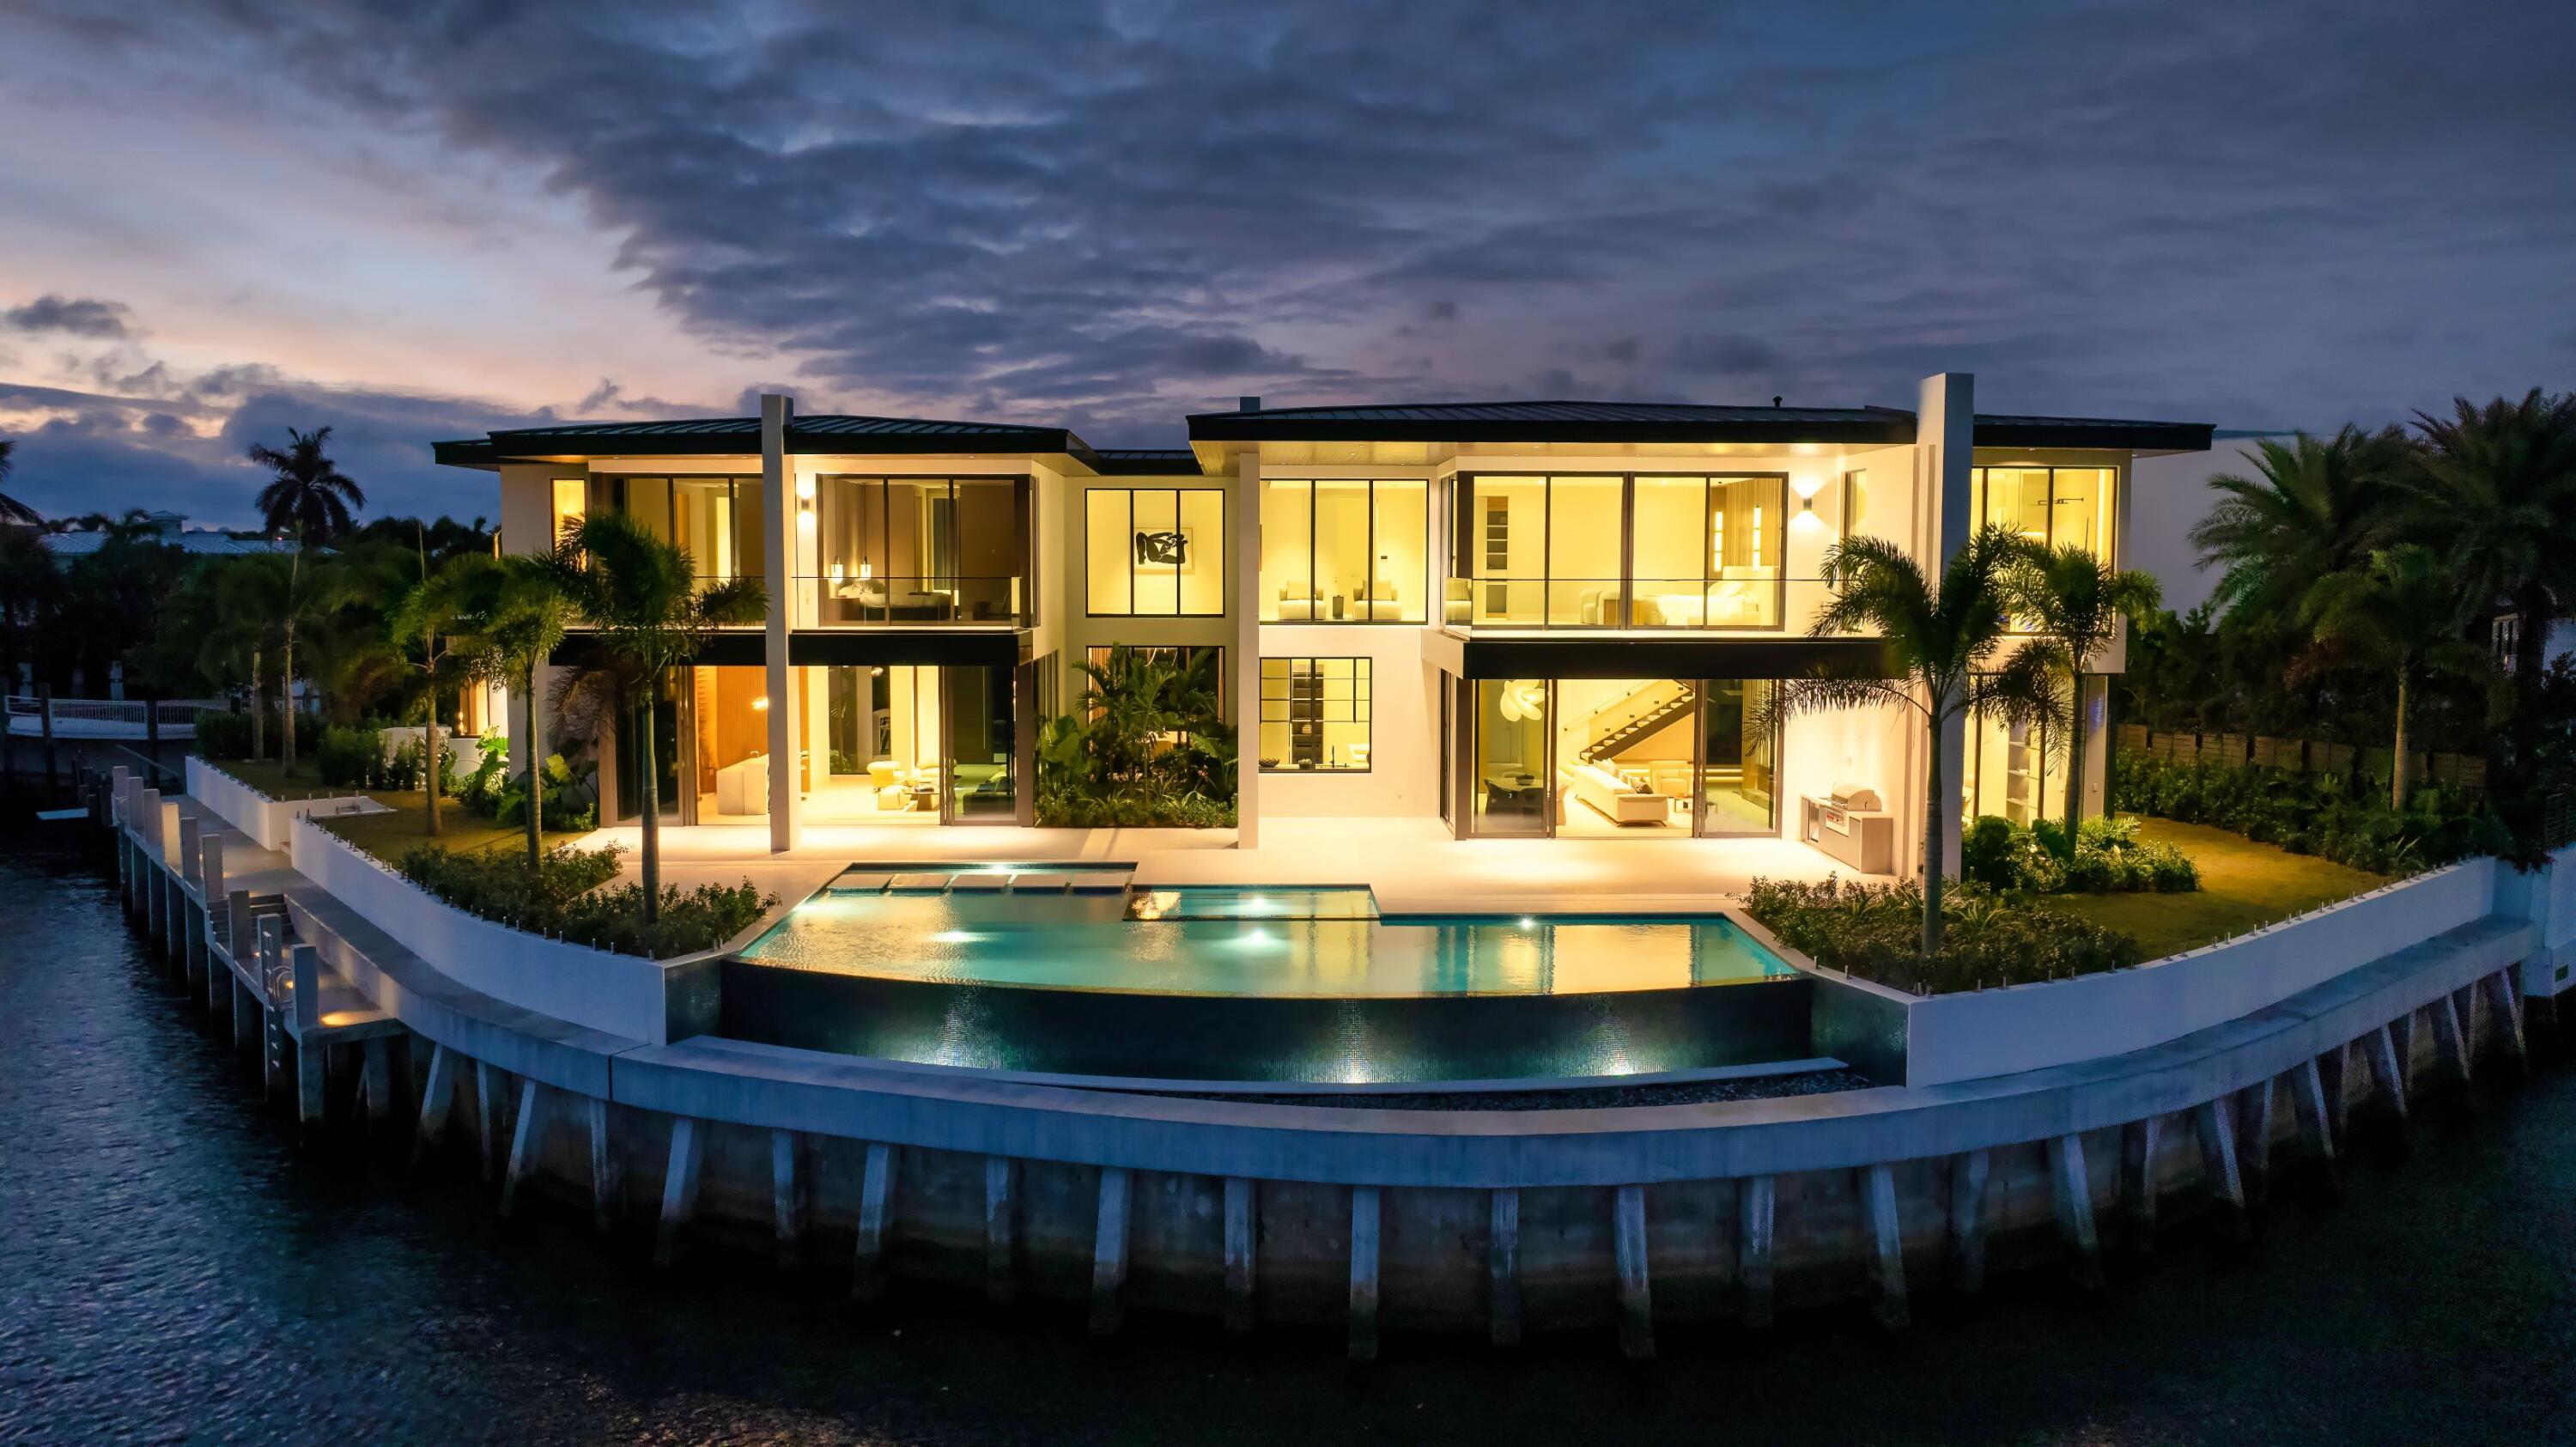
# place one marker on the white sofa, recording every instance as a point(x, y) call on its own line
point(1606, 792)
point(742, 787)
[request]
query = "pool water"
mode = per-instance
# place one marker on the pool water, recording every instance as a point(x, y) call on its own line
point(1244, 942)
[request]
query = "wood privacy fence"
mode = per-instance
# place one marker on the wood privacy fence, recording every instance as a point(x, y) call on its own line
point(2464, 772)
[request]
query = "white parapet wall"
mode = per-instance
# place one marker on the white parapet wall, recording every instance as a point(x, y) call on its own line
point(2031, 1027)
point(621, 994)
point(264, 819)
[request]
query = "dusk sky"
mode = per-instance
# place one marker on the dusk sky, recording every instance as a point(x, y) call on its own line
point(422, 221)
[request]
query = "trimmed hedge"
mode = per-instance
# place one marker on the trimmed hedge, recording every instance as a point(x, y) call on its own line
point(1875, 931)
point(2311, 813)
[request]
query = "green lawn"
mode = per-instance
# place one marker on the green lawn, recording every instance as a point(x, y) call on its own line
point(387, 836)
point(2242, 885)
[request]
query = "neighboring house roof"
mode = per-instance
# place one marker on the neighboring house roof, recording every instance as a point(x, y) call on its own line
point(170, 530)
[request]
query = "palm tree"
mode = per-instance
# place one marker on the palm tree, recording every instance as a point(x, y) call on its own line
point(2317, 506)
point(12, 511)
point(643, 596)
point(2403, 610)
point(1941, 643)
point(518, 611)
point(271, 596)
point(2496, 491)
point(2077, 601)
point(309, 494)
point(428, 626)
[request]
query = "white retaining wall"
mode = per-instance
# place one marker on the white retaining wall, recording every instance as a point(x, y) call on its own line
point(620, 994)
point(254, 813)
point(2030, 1027)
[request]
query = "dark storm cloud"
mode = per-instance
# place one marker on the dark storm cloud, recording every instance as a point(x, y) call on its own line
point(1112, 213)
point(79, 316)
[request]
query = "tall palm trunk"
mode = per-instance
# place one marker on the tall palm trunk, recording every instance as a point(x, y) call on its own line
point(648, 768)
point(1932, 806)
point(536, 776)
point(2397, 769)
point(286, 705)
point(258, 713)
point(45, 707)
point(430, 763)
point(2075, 760)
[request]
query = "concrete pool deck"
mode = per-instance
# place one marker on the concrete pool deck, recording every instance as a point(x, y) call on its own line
point(1412, 864)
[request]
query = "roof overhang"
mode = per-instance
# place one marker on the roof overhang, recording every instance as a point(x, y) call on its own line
point(1631, 655)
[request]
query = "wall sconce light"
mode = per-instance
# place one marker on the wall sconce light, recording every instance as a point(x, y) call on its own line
point(760, 704)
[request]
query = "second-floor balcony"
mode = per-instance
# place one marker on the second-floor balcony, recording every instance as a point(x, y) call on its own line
point(909, 552)
point(844, 600)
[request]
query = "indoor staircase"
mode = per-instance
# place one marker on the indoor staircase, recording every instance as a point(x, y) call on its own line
point(1629, 719)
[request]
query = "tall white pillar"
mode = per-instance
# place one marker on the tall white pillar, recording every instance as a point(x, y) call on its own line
point(1945, 451)
point(779, 502)
point(1247, 647)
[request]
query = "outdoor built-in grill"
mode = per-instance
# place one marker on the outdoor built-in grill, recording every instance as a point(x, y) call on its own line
point(1850, 823)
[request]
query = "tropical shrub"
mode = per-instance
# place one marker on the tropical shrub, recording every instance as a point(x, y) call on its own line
point(222, 734)
point(1874, 931)
point(570, 802)
point(562, 897)
point(2312, 813)
point(2106, 857)
point(1145, 746)
point(348, 756)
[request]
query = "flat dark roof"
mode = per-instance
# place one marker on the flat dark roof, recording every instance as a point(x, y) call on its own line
point(1527, 422)
point(1613, 422)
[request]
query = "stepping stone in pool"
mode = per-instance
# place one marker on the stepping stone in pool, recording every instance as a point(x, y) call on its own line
point(1040, 883)
point(919, 883)
point(978, 883)
point(861, 883)
point(1101, 882)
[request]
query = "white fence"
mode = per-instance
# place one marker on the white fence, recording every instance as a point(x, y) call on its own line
point(620, 994)
point(2028, 1027)
point(105, 718)
point(257, 815)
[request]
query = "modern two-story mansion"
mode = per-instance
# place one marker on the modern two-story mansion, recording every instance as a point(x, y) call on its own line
point(1529, 619)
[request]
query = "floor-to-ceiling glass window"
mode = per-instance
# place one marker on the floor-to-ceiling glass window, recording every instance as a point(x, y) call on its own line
point(1738, 760)
point(983, 782)
point(881, 761)
point(922, 550)
point(1344, 550)
point(1623, 755)
point(2053, 506)
point(1585, 552)
point(1618, 551)
point(2011, 772)
point(1154, 552)
point(1511, 780)
point(729, 763)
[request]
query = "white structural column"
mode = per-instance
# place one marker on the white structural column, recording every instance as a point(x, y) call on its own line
point(1247, 647)
point(779, 502)
point(1945, 452)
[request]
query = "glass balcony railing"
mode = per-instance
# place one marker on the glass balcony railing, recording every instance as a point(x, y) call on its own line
point(1756, 602)
point(940, 600)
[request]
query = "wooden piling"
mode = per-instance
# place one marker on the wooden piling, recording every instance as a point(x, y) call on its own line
point(1242, 1252)
point(525, 1141)
point(876, 1208)
point(1503, 1265)
point(1365, 1221)
point(679, 1186)
point(1757, 1197)
point(1001, 1280)
point(1879, 1220)
point(1968, 1175)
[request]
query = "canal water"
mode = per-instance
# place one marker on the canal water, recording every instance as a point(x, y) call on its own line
point(174, 1268)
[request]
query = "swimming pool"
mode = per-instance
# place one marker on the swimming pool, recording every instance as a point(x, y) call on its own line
point(1240, 942)
point(1251, 984)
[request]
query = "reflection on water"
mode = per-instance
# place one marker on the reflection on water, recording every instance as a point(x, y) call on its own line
point(173, 1268)
point(1266, 943)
